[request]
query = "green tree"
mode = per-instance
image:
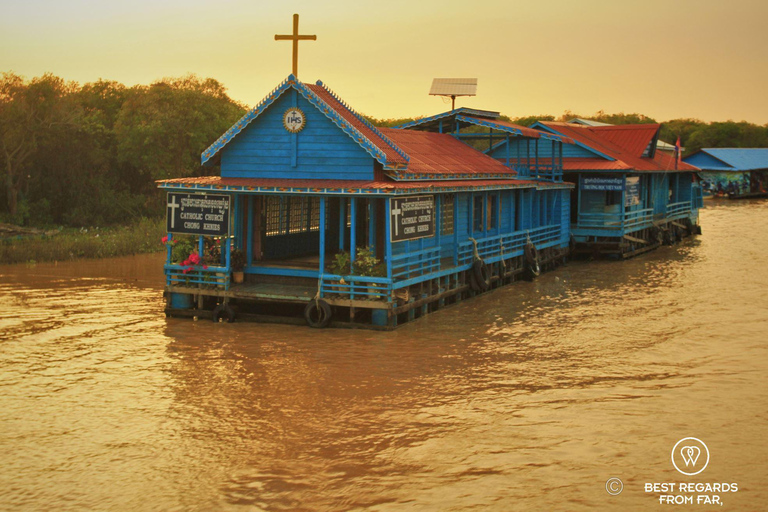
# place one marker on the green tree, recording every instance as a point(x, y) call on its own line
point(162, 129)
point(30, 115)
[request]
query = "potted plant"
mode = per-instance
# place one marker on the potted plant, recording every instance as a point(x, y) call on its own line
point(368, 265)
point(237, 263)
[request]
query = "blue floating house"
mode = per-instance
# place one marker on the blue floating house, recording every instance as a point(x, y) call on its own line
point(340, 222)
point(629, 196)
point(733, 172)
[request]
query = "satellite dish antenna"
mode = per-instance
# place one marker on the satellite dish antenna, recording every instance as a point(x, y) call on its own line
point(453, 87)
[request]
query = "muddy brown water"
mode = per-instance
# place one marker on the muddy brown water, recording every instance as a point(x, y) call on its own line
point(528, 398)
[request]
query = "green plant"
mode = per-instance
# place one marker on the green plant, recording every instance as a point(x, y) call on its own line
point(341, 265)
point(237, 260)
point(367, 264)
point(182, 247)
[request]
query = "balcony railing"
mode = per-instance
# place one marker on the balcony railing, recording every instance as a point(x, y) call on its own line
point(197, 276)
point(628, 221)
point(678, 210)
point(497, 247)
point(413, 264)
point(355, 287)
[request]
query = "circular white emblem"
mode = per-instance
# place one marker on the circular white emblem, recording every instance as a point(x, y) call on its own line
point(294, 120)
point(690, 456)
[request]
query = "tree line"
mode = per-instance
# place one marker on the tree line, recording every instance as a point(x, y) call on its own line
point(89, 154)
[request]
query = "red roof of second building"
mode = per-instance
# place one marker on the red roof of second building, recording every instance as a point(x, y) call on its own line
point(440, 153)
point(625, 143)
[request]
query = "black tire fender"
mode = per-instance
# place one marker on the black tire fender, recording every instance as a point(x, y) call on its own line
point(223, 312)
point(481, 274)
point(532, 261)
point(317, 313)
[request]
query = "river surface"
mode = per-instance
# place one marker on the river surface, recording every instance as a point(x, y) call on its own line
point(527, 398)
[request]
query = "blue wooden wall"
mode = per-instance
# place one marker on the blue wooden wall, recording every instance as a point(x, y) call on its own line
point(265, 149)
point(520, 210)
point(545, 150)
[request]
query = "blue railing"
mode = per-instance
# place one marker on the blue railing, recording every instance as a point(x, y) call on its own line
point(629, 221)
point(355, 287)
point(500, 247)
point(542, 171)
point(678, 210)
point(197, 276)
point(413, 264)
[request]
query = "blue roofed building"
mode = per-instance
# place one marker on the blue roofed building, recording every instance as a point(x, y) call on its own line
point(732, 172)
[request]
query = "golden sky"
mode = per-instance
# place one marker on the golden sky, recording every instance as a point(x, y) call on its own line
point(664, 58)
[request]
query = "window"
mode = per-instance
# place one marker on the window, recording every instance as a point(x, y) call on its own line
point(493, 211)
point(446, 214)
point(298, 215)
point(477, 213)
point(272, 215)
point(314, 215)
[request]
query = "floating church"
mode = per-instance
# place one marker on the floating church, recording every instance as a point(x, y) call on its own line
point(335, 221)
point(316, 216)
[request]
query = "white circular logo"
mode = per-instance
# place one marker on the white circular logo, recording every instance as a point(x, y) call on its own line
point(294, 120)
point(690, 456)
point(614, 486)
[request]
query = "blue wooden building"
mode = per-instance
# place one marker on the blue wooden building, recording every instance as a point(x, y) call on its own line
point(342, 222)
point(629, 197)
point(732, 172)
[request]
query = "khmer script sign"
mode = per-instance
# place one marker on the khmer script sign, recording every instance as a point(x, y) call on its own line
point(412, 217)
point(198, 214)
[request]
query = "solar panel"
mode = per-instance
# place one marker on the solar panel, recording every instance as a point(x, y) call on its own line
point(454, 87)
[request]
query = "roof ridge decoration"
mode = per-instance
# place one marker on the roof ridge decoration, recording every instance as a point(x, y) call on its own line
point(315, 100)
point(367, 123)
point(244, 121)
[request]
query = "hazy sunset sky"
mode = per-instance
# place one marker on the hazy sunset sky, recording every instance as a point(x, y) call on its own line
point(667, 59)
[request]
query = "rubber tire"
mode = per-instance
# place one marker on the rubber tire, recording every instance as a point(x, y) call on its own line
point(473, 283)
point(532, 263)
point(223, 312)
point(481, 274)
point(669, 236)
point(317, 314)
point(532, 270)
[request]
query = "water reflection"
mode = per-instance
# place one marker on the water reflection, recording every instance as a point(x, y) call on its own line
point(529, 397)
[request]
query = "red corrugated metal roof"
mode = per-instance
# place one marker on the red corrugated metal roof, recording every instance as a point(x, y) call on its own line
point(319, 185)
point(625, 143)
point(440, 153)
point(393, 157)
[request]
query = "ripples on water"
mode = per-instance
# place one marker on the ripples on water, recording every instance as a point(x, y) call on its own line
point(529, 397)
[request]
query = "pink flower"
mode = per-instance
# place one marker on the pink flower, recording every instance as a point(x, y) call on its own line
point(186, 270)
point(165, 239)
point(205, 267)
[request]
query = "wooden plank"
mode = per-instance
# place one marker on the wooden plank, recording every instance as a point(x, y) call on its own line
point(635, 239)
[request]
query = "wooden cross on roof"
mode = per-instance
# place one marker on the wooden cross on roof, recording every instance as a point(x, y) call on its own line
point(295, 37)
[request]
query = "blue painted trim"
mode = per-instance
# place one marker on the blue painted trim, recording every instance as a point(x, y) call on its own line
point(322, 235)
point(352, 229)
point(281, 271)
point(450, 113)
point(346, 192)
